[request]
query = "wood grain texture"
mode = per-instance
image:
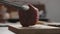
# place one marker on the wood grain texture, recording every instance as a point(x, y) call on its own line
point(34, 31)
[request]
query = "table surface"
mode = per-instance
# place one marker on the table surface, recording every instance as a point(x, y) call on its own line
point(4, 30)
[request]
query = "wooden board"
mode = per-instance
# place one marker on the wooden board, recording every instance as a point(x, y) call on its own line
point(33, 30)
